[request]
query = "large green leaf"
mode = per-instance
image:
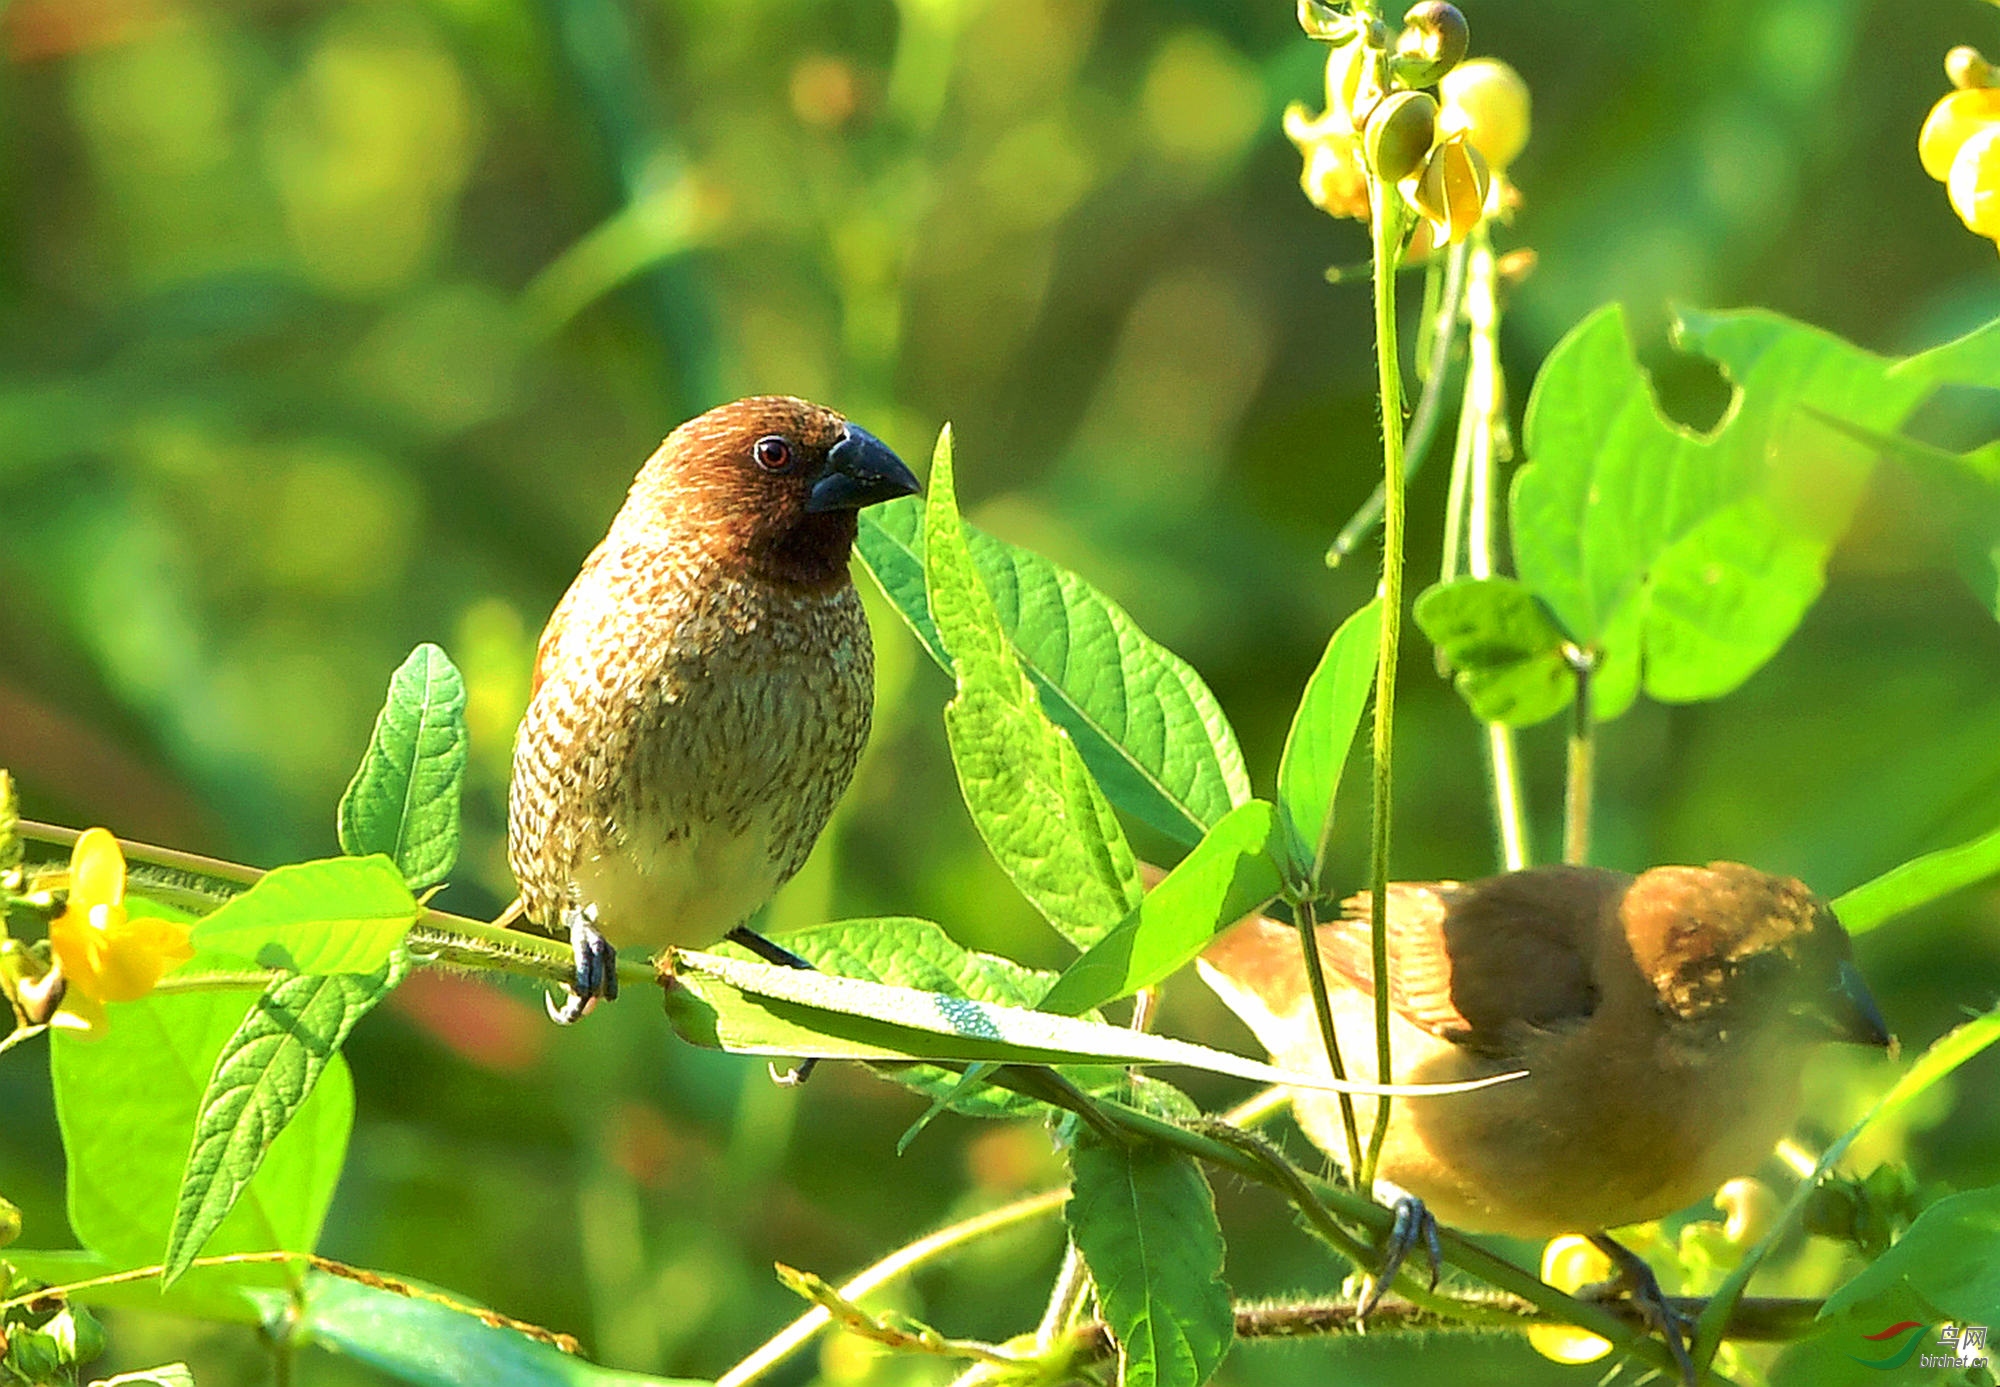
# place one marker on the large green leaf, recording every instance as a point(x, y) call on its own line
point(1144, 1219)
point(337, 915)
point(1950, 1257)
point(1147, 726)
point(404, 799)
point(1322, 732)
point(1505, 654)
point(1032, 798)
point(1231, 872)
point(127, 1103)
point(1693, 557)
point(431, 1345)
point(262, 1078)
point(761, 1009)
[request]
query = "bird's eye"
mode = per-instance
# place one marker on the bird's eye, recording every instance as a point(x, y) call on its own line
point(773, 454)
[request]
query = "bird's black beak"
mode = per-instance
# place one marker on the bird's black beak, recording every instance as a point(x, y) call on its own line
point(1848, 1009)
point(860, 471)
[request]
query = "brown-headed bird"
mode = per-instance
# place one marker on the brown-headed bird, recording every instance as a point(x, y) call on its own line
point(1662, 1021)
point(703, 691)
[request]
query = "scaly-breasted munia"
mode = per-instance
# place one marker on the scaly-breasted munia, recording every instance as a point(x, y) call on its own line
point(703, 691)
point(1662, 1021)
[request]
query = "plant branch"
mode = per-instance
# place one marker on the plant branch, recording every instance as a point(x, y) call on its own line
point(1308, 927)
point(1579, 783)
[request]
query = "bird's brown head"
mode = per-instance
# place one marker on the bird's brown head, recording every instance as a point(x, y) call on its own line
point(1737, 947)
point(768, 487)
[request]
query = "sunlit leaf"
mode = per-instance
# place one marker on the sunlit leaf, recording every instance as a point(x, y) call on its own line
point(761, 1009)
point(1506, 656)
point(1032, 798)
point(127, 1103)
point(1918, 882)
point(1691, 557)
point(431, 1345)
point(404, 799)
point(1231, 872)
point(1144, 1219)
point(1322, 732)
point(262, 1078)
point(337, 915)
point(1147, 726)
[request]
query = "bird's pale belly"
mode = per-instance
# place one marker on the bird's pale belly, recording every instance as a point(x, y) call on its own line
point(653, 892)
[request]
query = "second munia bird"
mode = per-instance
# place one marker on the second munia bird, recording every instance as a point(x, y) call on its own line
point(703, 691)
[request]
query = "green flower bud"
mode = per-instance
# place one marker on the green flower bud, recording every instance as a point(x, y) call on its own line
point(1432, 43)
point(10, 1223)
point(1400, 133)
point(77, 1335)
point(31, 1355)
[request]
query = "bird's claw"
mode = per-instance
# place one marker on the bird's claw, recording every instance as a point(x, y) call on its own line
point(596, 967)
point(792, 1078)
point(1636, 1282)
point(1413, 1224)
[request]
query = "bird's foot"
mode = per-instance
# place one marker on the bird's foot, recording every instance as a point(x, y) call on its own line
point(1635, 1281)
point(596, 967)
point(1413, 1225)
point(784, 958)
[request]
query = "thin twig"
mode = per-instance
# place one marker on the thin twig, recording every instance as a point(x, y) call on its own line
point(1308, 927)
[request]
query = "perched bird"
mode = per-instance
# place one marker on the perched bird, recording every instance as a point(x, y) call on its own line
point(703, 691)
point(1662, 1021)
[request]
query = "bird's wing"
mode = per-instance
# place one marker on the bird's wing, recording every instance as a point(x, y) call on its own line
point(1478, 964)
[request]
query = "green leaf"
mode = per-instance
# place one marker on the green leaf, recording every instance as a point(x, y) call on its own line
point(1145, 723)
point(1032, 798)
point(1947, 1258)
point(404, 800)
point(261, 1079)
point(126, 1101)
point(431, 1345)
point(761, 1009)
point(167, 1375)
point(1505, 653)
point(1144, 1220)
point(1692, 558)
point(1321, 734)
point(337, 915)
point(1231, 872)
point(1918, 882)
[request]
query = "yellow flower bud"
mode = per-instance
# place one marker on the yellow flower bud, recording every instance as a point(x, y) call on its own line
point(1967, 67)
point(10, 1223)
point(1487, 101)
point(1432, 43)
point(1400, 134)
point(1955, 119)
point(1974, 183)
point(1749, 1210)
point(1450, 191)
point(1569, 1263)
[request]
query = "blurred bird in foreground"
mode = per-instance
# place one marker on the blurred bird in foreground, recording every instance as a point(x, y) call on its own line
point(1663, 1022)
point(703, 691)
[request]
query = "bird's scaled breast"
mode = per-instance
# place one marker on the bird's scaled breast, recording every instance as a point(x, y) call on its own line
point(679, 793)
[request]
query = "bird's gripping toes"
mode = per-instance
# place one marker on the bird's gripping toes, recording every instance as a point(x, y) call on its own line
point(703, 691)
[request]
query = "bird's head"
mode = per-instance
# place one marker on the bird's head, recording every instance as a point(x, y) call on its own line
point(769, 487)
point(1743, 949)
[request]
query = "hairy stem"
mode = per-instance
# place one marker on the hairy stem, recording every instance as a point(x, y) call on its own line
point(1388, 228)
point(1579, 784)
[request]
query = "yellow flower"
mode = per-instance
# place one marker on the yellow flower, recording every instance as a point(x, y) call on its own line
point(1956, 118)
point(105, 954)
point(1487, 101)
point(1333, 178)
point(1974, 183)
point(1570, 1263)
point(1450, 190)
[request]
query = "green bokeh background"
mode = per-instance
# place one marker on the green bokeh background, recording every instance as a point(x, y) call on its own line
point(327, 328)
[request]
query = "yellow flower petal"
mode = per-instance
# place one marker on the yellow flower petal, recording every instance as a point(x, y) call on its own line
point(1570, 1263)
point(96, 869)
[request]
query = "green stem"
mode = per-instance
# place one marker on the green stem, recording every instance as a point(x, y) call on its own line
point(1308, 926)
point(1579, 787)
point(795, 1335)
point(1482, 432)
point(1388, 229)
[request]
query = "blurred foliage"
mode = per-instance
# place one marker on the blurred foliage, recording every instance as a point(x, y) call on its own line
point(327, 328)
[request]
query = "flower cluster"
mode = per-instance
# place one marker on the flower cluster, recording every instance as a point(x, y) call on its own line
point(1960, 142)
point(1446, 154)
